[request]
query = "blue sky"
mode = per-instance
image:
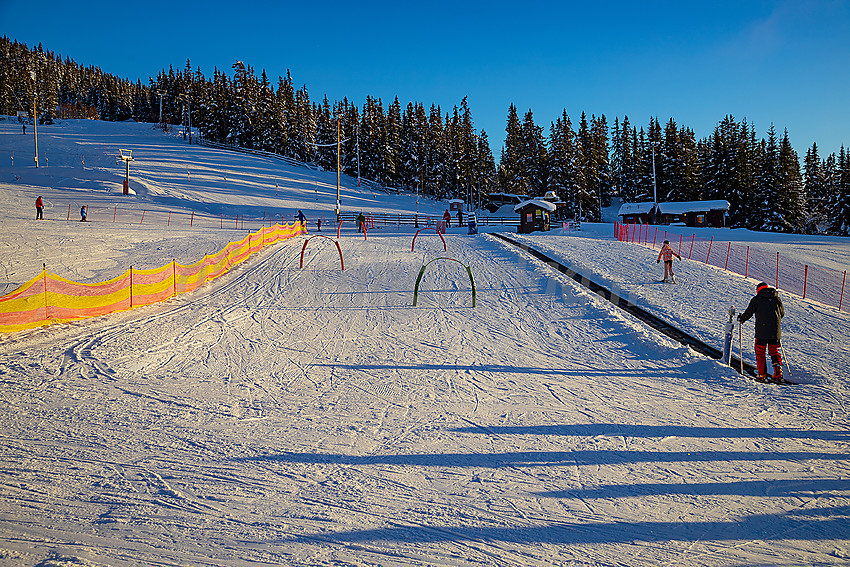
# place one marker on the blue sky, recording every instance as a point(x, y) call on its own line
point(780, 62)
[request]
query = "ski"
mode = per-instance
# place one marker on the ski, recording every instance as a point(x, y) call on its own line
point(769, 380)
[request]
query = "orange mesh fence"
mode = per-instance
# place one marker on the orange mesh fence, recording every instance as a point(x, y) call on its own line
point(820, 284)
point(48, 298)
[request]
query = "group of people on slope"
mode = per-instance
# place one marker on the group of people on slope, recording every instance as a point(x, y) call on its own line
point(768, 310)
point(447, 216)
point(39, 210)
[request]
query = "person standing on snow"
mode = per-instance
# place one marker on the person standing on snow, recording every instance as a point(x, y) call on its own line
point(459, 218)
point(447, 216)
point(300, 217)
point(39, 209)
point(768, 309)
point(83, 210)
point(361, 222)
point(667, 253)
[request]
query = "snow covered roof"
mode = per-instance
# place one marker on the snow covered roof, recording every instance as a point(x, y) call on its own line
point(678, 208)
point(455, 200)
point(538, 203)
point(635, 208)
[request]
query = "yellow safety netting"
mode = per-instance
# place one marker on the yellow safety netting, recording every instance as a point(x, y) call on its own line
point(48, 298)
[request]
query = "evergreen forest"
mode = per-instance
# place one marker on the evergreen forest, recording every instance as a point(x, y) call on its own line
point(421, 147)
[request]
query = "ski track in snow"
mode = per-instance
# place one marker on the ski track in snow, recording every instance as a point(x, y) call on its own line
point(286, 416)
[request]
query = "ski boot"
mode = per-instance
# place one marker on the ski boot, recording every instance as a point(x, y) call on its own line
point(777, 375)
point(761, 378)
point(673, 279)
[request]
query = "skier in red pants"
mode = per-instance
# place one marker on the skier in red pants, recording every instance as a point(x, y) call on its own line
point(768, 309)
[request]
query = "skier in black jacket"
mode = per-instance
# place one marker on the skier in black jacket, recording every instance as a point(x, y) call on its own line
point(768, 309)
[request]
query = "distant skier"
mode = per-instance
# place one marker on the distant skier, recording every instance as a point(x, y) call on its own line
point(667, 253)
point(459, 218)
point(301, 218)
point(83, 213)
point(768, 309)
point(39, 209)
point(319, 225)
point(447, 216)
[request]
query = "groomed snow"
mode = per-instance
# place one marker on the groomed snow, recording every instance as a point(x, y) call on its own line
point(286, 416)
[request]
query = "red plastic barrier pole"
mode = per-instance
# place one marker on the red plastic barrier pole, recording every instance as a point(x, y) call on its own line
point(192, 219)
point(221, 221)
point(69, 211)
point(174, 275)
point(692, 246)
point(707, 256)
point(842, 290)
point(237, 222)
point(777, 270)
point(143, 217)
point(747, 264)
point(680, 245)
point(169, 219)
point(131, 287)
point(726, 267)
point(115, 213)
point(805, 280)
point(337, 229)
point(654, 238)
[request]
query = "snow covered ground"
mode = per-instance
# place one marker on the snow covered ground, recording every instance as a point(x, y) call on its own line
point(286, 416)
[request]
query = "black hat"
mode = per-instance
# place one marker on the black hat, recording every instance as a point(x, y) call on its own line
point(761, 286)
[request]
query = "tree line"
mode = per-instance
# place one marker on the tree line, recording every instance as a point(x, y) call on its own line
point(441, 154)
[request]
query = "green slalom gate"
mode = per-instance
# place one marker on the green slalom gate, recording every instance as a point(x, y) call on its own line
point(422, 272)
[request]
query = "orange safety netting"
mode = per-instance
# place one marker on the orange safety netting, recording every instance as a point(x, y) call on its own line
point(48, 298)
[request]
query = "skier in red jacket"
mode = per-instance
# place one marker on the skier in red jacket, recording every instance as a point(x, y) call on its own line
point(39, 208)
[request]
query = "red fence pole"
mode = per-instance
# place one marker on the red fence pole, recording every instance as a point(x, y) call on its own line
point(710, 242)
point(805, 280)
point(192, 219)
point(143, 217)
point(654, 238)
point(69, 211)
point(842, 290)
point(115, 213)
point(729, 249)
point(692, 246)
point(174, 275)
point(680, 245)
point(169, 219)
point(221, 221)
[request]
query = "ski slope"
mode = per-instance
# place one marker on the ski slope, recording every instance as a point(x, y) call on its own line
point(289, 416)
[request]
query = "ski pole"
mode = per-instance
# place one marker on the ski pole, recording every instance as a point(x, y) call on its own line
point(741, 344)
point(785, 358)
